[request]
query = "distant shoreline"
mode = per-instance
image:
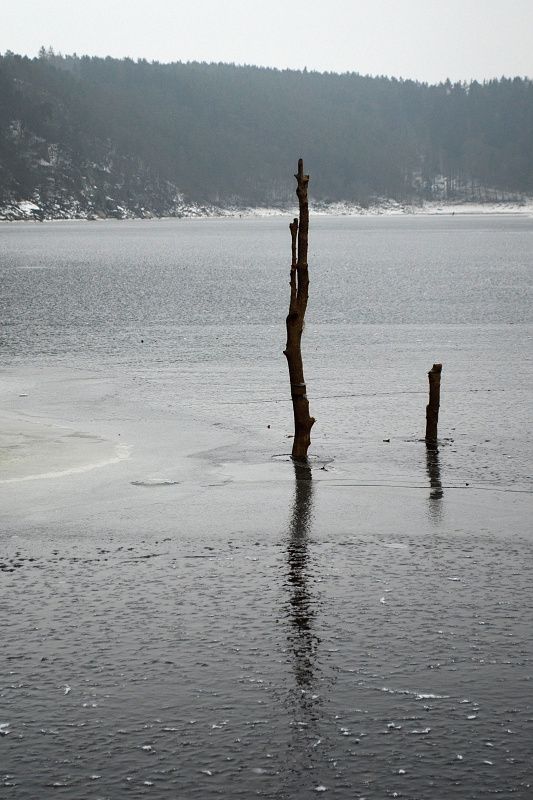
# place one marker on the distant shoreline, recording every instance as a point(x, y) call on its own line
point(26, 211)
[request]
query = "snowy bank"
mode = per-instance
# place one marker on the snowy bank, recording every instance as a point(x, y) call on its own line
point(26, 210)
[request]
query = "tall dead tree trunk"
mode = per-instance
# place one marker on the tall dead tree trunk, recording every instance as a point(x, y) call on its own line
point(295, 320)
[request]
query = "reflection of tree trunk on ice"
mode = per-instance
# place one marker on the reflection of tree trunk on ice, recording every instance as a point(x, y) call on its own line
point(433, 470)
point(302, 639)
point(308, 747)
point(432, 450)
point(299, 283)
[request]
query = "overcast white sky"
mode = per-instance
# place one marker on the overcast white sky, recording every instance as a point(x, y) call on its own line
point(427, 40)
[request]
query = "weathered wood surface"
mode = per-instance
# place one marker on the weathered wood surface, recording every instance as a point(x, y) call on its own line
point(299, 283)
point(432, 408)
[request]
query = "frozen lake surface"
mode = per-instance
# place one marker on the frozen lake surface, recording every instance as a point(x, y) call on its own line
point(185, 615)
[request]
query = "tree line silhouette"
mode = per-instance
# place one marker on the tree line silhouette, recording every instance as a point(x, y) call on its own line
point(101, 132)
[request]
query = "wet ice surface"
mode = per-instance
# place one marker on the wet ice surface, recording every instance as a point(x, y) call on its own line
point(225, 659)
point(184, 615)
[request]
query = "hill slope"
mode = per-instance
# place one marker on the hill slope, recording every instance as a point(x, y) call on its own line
point(114, 137)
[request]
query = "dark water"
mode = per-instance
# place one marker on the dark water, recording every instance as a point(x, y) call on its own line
point(191, 313)
point(361, 628)
point(146, 274)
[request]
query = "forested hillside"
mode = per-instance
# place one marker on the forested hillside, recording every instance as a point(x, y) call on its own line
point(107, 136)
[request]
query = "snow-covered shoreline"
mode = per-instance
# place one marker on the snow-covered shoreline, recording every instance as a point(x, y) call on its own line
point(392, 208)
point(26, 211)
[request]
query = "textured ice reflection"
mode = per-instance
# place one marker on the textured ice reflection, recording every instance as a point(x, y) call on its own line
point(435, 481)
point(226, 659)
point(302, 605)
point(307, 763)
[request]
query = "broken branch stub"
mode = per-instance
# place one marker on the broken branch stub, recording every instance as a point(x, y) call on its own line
point(432, 408)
